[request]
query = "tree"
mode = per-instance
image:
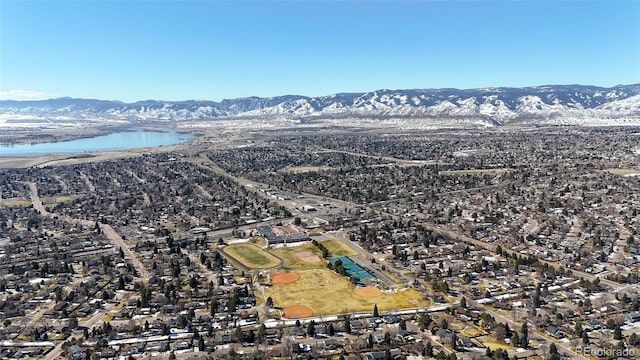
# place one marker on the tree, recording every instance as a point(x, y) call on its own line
point(515, 339)
point(212, 308)
point(524, 335)
point(58, 294)
point(423, 321)
point(347, 325)
point(238, 334)
point(553, 352)
point(633, 339)
point(331, 331)
point(269, 302)
point(262, 333)
point(501, 332)
point(454, 341)
point(463, 302)
point(375, 310)
point(578, 329)
point(387, 354)
point(172, 356)
point(428, 350)
point(311, 328)
point(585, 338)
point(73, 322)
point(617, 333)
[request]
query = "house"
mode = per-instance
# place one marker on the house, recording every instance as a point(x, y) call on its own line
point(554, 331)
point(632, 317)
point(465, 342)
point(380, 355)
point(404, 336)
point(392, 319)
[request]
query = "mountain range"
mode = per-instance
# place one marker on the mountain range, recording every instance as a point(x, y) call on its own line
point(551, 104)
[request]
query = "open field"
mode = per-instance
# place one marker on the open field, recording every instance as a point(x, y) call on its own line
point(251, 256)
point(309, 257)
point(304, 169)
point(14, 202)
point(291, 257)
point(475, 171)
point(624, 172)
point(60, 199)
point(337, 248)
point(367, 291)
point(315, 287)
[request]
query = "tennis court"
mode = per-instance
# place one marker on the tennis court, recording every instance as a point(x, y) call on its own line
point(353, 269)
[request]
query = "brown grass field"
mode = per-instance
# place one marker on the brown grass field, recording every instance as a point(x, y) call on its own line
point(337, 248)
point(624, 172)
point(14, 202)
point(367, 292)
point(475, 171)
point(284, 278)
point(294, 312)
point(308, 257)
point(326, 293)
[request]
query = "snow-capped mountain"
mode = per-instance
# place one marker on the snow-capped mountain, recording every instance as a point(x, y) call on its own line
point(557, 104)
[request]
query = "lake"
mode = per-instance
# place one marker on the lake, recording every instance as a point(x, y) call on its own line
point(114, 141)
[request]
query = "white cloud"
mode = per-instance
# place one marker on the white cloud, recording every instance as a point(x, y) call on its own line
point(25, 95)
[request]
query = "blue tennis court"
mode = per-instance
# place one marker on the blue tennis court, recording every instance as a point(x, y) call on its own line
point(353, 269)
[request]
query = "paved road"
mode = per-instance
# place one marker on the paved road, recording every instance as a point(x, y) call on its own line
point(515, 326)
point(492, 247)
point(364, 257)
point(106, 229)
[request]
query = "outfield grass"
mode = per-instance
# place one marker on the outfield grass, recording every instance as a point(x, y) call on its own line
point(327, 293)
point(291, 261)
point(251, 256)
point(338, 248)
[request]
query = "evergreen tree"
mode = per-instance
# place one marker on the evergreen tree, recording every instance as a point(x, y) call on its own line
point(617, 333)
point(311, 329)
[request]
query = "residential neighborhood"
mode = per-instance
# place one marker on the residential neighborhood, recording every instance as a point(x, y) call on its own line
point(444, 244)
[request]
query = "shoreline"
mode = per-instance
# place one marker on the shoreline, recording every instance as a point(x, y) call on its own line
point(70, 158)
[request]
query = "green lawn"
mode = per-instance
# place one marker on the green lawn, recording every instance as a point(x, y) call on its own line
point(251, 256)
point(291, 261)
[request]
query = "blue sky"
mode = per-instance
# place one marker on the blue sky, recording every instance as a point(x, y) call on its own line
point(136, 50)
